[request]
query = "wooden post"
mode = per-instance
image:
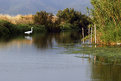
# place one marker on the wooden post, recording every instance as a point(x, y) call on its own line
point(89, 30)
point(95, 34)
point(94, 59)
point(91, 35)
point(83, 34)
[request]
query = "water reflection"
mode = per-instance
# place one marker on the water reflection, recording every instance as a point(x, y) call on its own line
point(14, 41)
point(46, 40)
point(105, 72)
point(43, 40)
point(64, 38)
point(97, 64)
point(105, 62)
point(28, 37)
point(107, 67)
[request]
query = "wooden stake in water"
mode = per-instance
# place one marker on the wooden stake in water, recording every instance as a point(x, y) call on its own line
point(91, 35)
point(95, 34)
point(83, 34)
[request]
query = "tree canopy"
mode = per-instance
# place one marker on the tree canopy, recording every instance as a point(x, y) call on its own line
point(75, 18)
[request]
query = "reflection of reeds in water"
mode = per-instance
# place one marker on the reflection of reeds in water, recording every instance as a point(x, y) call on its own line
point(19, 19)
point(105, 72)
point(105, 62)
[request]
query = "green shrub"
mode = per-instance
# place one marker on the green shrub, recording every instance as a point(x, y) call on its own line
point(4, 31)
point(39, 28)
point(21, 28)
point(74, 20)
point(66, 26)
point(5, 28)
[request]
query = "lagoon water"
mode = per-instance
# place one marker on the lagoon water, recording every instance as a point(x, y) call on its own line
point(42, 57)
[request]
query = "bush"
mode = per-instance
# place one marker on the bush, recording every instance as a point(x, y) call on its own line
point(21, 28)
point(66, 26)
point(39, 28)
point(4, 31)
point(74, 19)
point(5, 28)
point(45, 19)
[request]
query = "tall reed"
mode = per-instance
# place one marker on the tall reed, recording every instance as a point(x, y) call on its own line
point(107, 16)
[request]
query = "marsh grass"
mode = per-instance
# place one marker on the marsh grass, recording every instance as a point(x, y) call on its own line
point(105, 54)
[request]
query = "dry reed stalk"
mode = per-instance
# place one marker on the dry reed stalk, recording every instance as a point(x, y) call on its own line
point(18, 19)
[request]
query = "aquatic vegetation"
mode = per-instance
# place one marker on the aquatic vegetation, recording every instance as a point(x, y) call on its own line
point(103, 54)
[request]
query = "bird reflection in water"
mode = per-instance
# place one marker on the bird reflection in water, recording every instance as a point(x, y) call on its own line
point(28, 37)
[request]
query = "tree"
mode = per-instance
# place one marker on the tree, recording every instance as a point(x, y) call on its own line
point(42, 17)
point(46, 19)
point(75, 18)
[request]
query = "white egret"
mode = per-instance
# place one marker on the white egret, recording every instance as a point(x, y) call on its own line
point(29, 32)
point(118, 43)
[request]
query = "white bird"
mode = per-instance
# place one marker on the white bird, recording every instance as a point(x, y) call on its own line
point(118, 43)
point(29, 32)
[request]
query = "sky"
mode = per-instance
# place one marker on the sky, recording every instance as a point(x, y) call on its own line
point(14, 7)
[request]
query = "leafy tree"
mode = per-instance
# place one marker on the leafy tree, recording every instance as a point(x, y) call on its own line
point(75, 18)
point(44, 18)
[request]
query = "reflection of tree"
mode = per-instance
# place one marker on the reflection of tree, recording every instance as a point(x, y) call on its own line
point(43, 41)
point(68, 37)
point(104, 70)
point(10, 41)
point(46, 40)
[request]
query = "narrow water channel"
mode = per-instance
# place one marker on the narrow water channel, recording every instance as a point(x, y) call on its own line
point(43, 57)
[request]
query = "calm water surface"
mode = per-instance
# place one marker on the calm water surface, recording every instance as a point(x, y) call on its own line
point(42, 57)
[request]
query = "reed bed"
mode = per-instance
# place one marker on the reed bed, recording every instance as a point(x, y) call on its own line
point(18, 19)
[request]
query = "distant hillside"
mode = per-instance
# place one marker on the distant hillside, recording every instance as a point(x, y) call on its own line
point(14, 7)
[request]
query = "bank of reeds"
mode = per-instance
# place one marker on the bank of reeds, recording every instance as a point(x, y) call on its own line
point(18, 19)
point(107, 17)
